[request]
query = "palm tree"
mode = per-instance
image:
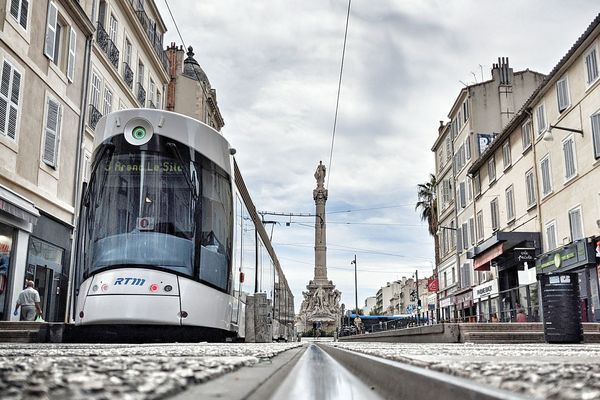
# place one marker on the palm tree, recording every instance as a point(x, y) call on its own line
point(427, 206)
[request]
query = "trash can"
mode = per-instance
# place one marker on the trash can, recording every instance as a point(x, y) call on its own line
point(560, 305)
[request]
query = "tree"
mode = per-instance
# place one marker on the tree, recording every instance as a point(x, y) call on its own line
point(427, 207)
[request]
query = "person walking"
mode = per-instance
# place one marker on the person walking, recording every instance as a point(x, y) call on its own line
point(29, 301)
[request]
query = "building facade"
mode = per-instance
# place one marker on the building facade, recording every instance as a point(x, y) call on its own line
point(189, 91)
point(478, 114)
point(43, 51)
point(552, 147)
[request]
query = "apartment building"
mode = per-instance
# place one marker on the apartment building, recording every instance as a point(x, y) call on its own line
point(556, 139)
point(189, 91)
point(383, 304)
point(43, 51)
point(369, 307)
point(478, 114)
point(129, 67)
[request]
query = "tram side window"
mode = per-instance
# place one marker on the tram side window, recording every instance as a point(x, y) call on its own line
point(215, 253)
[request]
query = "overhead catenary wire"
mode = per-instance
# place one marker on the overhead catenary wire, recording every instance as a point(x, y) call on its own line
point(337, 101)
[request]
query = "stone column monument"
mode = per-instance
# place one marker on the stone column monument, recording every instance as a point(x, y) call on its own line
point(321, 302)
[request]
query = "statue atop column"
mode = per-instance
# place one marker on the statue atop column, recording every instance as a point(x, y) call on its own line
point(321, 301)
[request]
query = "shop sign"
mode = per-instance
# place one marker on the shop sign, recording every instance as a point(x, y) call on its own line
point(447, 302)
point(463, 297)
point(573, 255)
point(524, 255)
point(433, 284)
point(488, 289)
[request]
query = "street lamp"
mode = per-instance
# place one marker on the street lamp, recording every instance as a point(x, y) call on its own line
point(355, 285)
point(548, 134)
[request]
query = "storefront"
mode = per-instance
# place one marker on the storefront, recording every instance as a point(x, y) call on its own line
point(513, 254)
point(485, 298)
point(579, 257)
point(463, 303)
point(446, 308)
point(18, 216)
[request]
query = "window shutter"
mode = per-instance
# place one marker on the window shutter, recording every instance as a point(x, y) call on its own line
point(14, 8)
point(24, 10)
point(52, 127)
point(14, 104)
point(596, 134)
point(51, 31)
point(72, 47)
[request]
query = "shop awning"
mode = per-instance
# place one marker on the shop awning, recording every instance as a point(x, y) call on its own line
point(18, 206)
point(482, 261)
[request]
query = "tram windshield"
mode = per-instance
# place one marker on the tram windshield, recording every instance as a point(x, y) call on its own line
point(165, 207)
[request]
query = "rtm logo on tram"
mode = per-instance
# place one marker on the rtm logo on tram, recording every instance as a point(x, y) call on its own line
point(130, 281)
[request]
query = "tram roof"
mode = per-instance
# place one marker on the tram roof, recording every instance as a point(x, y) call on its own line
point(181, 128)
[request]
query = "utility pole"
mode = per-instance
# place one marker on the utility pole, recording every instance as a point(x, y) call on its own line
point(355, 286)
point(417, 292)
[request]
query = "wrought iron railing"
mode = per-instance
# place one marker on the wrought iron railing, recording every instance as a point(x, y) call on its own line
point(107, 45)
point(128, 75)
point(149, 27)
point(141, 94)
point(95, 116)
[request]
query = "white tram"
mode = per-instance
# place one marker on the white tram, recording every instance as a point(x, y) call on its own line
point(169, 240)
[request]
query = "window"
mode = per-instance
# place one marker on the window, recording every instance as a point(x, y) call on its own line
point(445, 278)
point(530, 188)
point(506, 154)
point(465, 236)
point(448, 148)
point(591, 66)
point(492, 169)
point(596, 133)
point(465, 110)
point(541, 119)
point(546, 177)
point(550, 235)
point(19, 10)
point(469, 190)
point(453, 274)
point(151, 90)
point(476, 184)
point(562, 94)
point(569, 155)
point(128, 52)
point(575, 224)
point(140, 74)
point(95, 92)
point(510, 204)
point(526, 135)
point(494, 213)
point(452, 235)
point(480, 226)
point(108, 98)
point(52, 132)
point(10, 93)
point(113, 28)
point(158, 99)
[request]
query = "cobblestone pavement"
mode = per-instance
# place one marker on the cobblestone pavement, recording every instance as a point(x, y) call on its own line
point(103, 371)
point(540, 371)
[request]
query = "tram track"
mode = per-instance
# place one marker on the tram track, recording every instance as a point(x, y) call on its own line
point(320, 371)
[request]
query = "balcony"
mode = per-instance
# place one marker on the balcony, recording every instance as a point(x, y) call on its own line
point(128, 75)
point(107, 45)
point(95, 116)
point(141, 94)
point(153, 36)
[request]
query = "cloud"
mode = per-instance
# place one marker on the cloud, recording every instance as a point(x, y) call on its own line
point(275, 66)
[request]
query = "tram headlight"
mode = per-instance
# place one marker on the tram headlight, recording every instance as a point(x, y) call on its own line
point(138, 131)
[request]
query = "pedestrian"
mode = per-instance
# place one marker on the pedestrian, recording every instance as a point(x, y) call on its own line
point(521, 317)
point(29, 301)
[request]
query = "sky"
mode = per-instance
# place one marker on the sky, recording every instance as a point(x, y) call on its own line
point(276, 65)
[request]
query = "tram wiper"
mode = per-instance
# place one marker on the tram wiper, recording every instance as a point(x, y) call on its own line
point(108, 149)
point(173, 147)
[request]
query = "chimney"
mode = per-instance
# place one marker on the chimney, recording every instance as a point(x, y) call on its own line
point(501, 72)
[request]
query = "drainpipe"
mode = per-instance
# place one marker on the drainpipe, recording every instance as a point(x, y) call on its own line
point(78, 171)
